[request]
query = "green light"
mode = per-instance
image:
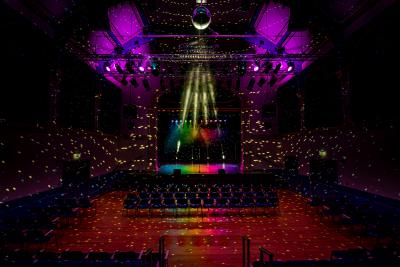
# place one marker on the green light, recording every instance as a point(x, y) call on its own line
point(76, 156)
point(322, 153)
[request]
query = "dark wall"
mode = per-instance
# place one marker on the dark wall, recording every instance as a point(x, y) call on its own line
point(374, 69)
point(26, 65)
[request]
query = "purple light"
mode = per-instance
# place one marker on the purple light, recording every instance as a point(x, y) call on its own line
point(290, 67)
point(141, 68)
point(256, 68)
point(108, 68)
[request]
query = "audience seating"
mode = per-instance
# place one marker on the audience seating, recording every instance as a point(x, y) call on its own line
point(200, 196)
point(344, 258)
point(77, 258)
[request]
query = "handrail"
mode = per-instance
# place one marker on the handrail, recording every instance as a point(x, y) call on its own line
point(268, 253)
point(245, 251)
point(161, 251)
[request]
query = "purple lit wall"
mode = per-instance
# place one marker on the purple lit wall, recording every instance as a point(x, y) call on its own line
point(363, 160)
point(35, 158)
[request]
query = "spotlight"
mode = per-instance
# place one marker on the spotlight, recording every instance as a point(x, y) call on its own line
point(124, 81)
point(261, 82)
point(146, 84)
point(155, 68)
point(251, 84)
point(242, 68)
point(256, 68)
point(129, 67)
point(107, 66)
point(141, 68)
point(134, 83)
point(267, 67)
point(290, 67)
point(273, 81)
point(118, 68)
point(277, 68)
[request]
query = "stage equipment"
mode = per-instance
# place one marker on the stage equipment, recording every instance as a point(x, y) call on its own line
point(201, 18)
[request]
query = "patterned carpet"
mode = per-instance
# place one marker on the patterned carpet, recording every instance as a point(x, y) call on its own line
point(291, 232)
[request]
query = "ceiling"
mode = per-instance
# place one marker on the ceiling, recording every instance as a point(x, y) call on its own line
point(251, 31)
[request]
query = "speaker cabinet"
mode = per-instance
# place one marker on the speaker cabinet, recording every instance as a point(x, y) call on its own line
point(75, 177)
point(323, 171)
point(291, 165)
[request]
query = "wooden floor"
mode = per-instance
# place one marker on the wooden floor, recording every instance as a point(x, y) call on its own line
point(214, 240)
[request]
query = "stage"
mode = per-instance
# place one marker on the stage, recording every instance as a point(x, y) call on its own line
point(199, 168)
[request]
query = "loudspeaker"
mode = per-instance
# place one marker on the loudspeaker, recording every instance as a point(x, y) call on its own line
point(177, 172)
point(323, 171)
point(129, 111)
point(221, 171)
point(291, 165)
point(268, 110)
point(75, 177)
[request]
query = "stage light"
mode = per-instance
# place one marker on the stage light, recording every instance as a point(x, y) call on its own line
point(146, 84)
point(242, 68)
point(155, 68)
point(124, 81)
point(118, 68)
point(134, 83)
point(201, 18)
point(141, 68)
point(267, 67)
point(107, 66)
point(261, 82)
point(273, 81)
point(277, 68)
point(251, 84)
point(129, 67)
point(256, 68)
point(290, 67)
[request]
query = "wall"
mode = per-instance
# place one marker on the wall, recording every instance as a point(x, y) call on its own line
point(366, 160)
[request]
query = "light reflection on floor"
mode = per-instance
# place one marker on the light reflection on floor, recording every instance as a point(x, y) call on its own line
point(213, 240)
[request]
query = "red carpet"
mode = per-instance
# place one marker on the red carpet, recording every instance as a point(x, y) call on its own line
point(294, 233)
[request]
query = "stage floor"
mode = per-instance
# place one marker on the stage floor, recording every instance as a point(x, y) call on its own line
point(199, 168)
point(296, 232)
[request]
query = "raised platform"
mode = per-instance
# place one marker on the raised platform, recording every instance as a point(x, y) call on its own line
point(199, 168)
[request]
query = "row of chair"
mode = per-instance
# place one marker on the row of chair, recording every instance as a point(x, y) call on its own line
point(202, 200)
point(358, 257)
point(36, 225)
point(78, 258)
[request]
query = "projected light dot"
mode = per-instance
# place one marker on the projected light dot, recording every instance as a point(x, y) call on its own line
point(256, 68)
point(201, 18)
point(141, 68)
